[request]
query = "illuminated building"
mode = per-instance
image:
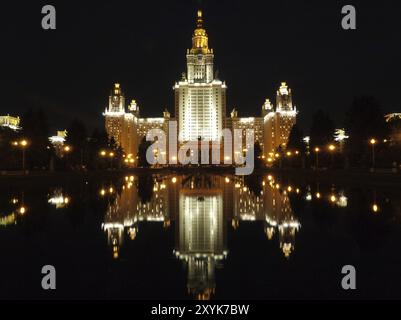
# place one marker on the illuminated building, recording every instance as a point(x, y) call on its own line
point(200, 98)
point(394, 121)
point(125, 126)
point(58, 141)
point(10, 122)
point(251, 123)
point(121, 125)
point(200, 108)
point(340, 136)
point(278, 121)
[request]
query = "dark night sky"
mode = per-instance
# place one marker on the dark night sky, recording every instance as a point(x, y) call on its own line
point(142, 45)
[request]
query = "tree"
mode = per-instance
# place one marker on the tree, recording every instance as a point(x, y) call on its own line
point(77, 140)
point(36, 130)
point(364, 121)
point(9, 157)
point(259, 163)
point(143, 148)
point(322, 129)
point(295, 140)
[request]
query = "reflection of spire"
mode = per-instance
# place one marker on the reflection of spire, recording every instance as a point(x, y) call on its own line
point(127, 209)
point(279, 215)
point(201, 232)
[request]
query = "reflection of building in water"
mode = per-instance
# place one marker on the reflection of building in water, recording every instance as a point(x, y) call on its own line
point(248, 206)
point(59, 200)
point(126, 210)
point(201, 232)
point(280, 218)
point(201, 206)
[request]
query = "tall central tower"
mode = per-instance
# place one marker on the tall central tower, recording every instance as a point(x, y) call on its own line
point(200, 98)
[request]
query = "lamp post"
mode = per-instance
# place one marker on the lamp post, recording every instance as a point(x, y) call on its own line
point(373, 144)
point(332, 149)
point(317, 150)
point(23, 144)
point(67, 150)
point(111, 155)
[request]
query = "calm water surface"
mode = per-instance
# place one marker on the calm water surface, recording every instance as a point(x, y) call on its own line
point(199, 237)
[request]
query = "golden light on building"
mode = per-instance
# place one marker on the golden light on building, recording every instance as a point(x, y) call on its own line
point(227, 180)
point(22, 210)
point(332, 147)
point(373, 141)
point(375, 208)
point(317, 150)
point(174, 180)
point(333, 198)
point(318, 195)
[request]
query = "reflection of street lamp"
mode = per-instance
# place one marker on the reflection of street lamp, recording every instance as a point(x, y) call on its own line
point(317, 150)
point(373, 143)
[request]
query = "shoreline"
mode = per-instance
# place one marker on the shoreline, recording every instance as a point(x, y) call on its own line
point(304, 176)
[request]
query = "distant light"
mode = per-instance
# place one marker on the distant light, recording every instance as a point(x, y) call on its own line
point(375, 208)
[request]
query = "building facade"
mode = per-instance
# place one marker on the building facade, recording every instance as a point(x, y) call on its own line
point(10, 122)
point(200, 98)
point(278, 121)
point(200, 108)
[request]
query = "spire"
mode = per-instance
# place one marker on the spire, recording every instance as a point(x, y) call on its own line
point(200, 40)
point(199, 22)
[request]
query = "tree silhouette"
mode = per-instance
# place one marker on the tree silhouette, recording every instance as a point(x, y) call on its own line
point(364, 121)
point(322, 129)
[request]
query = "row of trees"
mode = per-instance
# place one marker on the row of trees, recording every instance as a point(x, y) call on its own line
point(84, 150)
point(364, 121)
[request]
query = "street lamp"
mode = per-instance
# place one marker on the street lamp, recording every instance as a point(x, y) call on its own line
point(373, 143)
point(317, 150)
point(67, 150)
point(23, 144)
point(111, 156)
point(332, 149)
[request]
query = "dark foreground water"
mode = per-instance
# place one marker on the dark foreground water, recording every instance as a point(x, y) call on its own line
point(199, 237)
